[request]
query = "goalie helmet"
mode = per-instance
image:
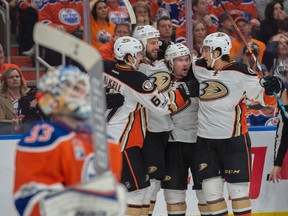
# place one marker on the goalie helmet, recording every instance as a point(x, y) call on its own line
point(143, 33)
point(65, 91)
point(127, 45)
point(218, 40)
point(174, 51)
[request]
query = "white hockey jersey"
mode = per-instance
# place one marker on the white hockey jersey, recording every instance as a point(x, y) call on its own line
point(159, 75)
point(185, 120)
point(222, 110)
point(128, 123)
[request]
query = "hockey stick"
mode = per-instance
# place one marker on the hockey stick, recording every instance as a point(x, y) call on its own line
point(130, 11)
point(90, 59)
point(189, 28)
point(258, 65)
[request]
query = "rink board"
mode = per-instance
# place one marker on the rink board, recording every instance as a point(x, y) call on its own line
point(268, 199)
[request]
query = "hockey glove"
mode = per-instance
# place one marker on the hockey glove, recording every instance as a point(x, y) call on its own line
point(114, 100)
point(271, 84)
point(189, 89)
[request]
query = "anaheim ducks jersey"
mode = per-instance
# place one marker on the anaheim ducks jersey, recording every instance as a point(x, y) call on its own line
point(51, 157)
point(128, 123)
point(55, 13)
point(159, 75)
point(222, 109)
point(185, 120)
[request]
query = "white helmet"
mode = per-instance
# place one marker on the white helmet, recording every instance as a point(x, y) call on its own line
point(218, 40)
point(143, 33)
point(174, 51)
point(65, 91)
point(127, 45)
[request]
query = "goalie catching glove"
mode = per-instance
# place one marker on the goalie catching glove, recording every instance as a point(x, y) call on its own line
point(271, 84)
point(189, 89)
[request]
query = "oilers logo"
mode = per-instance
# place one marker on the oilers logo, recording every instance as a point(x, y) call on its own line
point(79, 151)
point(117, 17)
point(69, 16)
point(103, 36)
point(88, 171)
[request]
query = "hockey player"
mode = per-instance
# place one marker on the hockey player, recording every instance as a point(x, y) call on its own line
point(180, 152)
point(223, 147)
point(158, 126)
point(128, 122)
point(59, 154)
point(281, 140)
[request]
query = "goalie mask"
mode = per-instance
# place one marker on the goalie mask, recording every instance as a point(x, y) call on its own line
point(143, 33)
point(127, 45)
point(217, 40)
point(174, 51)
point(65, 91)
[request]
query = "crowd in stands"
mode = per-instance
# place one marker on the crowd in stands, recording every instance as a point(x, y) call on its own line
point(263, 23)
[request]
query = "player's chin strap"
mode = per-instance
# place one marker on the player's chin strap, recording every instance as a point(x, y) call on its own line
point(214, 59)
point(258, 65)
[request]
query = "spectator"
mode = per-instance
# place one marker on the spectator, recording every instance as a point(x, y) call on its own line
point(117, 14)
point(4, 65)
point(237, 44)
point(142, 13)
point(226, 25)
point(28, 16)
point(152, 5)
point(165, 27)
point(13, 87)
point(107, 50)
point(271, 50)
point(281, 61)
point(172, 9)
point(273, 13)
point(201, 11)
point(261, 5)
point(101, 28)
point(236, 7)
point(199, 34)
point(65, 15)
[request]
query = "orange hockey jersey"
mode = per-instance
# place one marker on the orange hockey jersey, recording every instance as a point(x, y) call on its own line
point(55, 13)
point(52, 156)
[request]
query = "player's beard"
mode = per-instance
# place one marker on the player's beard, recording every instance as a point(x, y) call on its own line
point(151, 57)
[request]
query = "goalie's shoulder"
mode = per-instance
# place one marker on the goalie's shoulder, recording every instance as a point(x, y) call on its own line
point(44, 136)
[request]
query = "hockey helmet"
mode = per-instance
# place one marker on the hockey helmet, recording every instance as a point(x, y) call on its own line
point(65, 90)
point(174, 51)
point(218, 40)
point(143, 33)
point(127, 45)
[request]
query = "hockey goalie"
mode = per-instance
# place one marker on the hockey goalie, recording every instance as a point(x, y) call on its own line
point(56, 173)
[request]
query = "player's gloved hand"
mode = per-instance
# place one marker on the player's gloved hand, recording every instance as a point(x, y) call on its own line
point(189, 89)
point(114, 100)
point(271, 84)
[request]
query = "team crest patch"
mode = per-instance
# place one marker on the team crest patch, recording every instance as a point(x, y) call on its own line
point(103, 36)
point(69, 16)
point(79, 151)
point(212, 90)
point(161, 79)
point(202, 166)
point(152, 169)
point(148, 85)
